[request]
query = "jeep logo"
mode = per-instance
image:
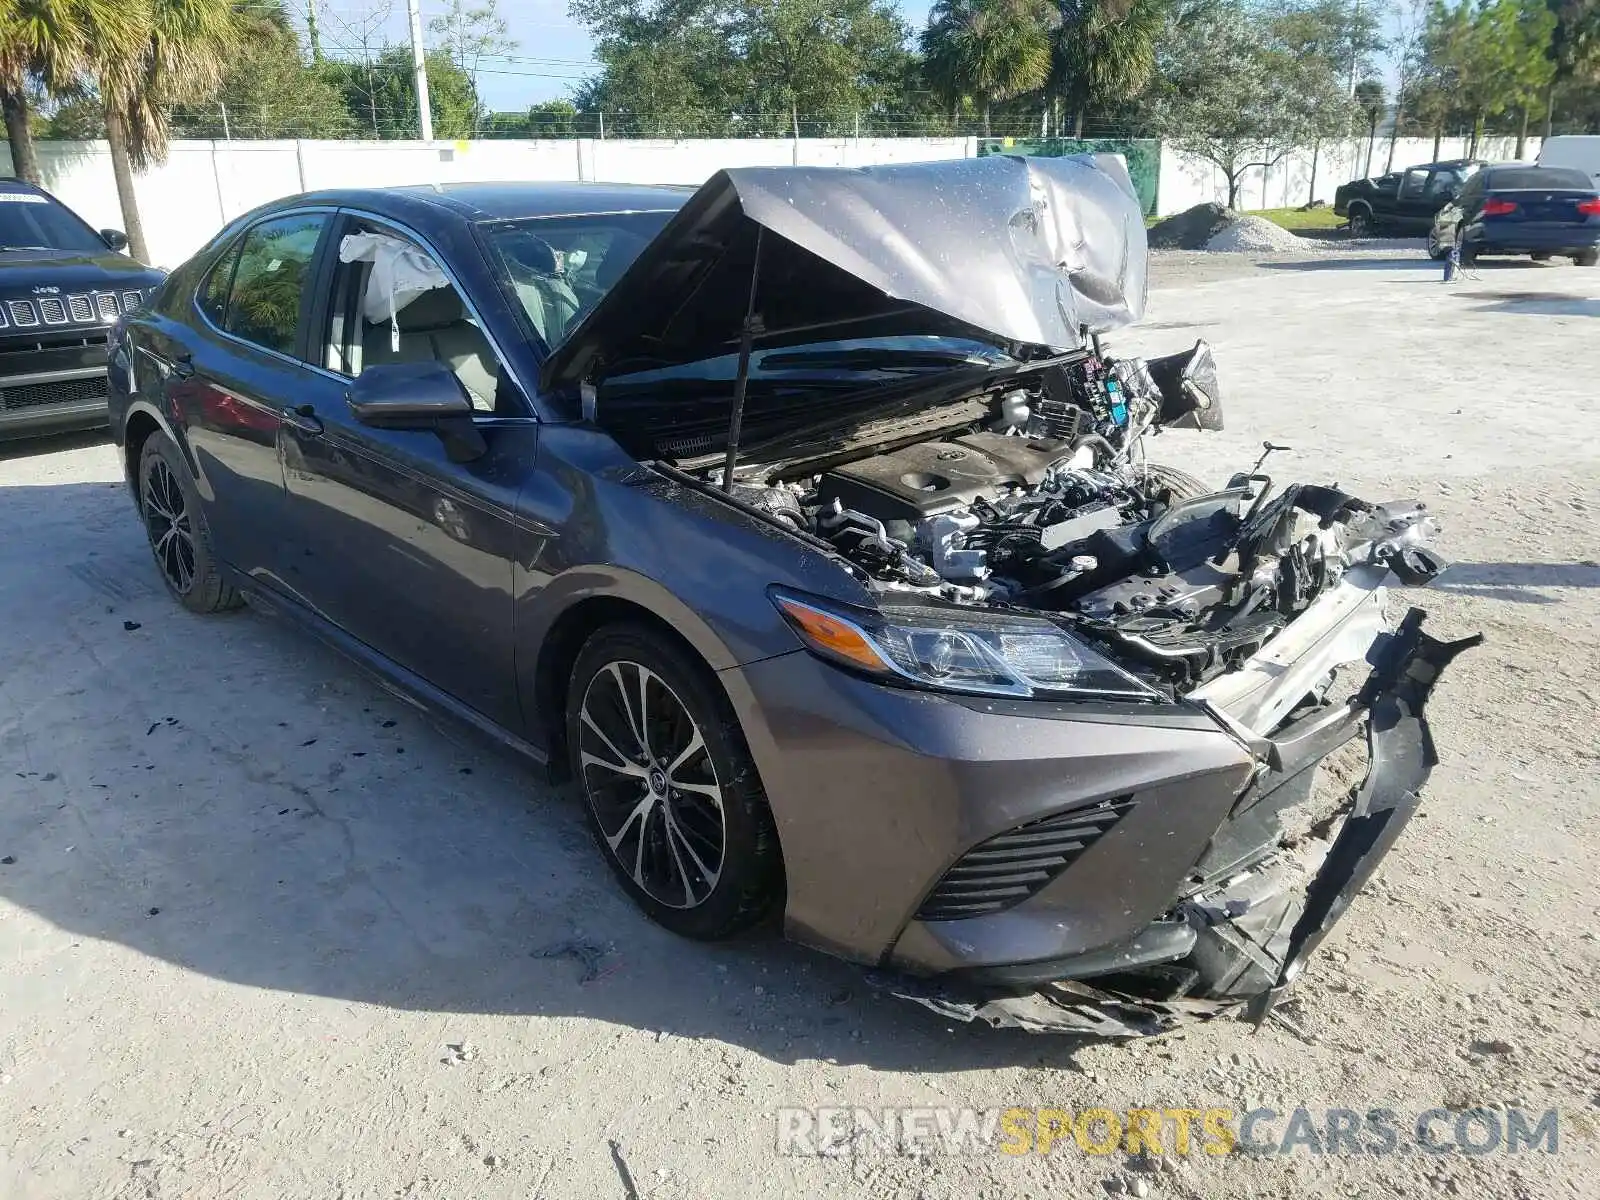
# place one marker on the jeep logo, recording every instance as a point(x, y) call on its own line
point(46, 291)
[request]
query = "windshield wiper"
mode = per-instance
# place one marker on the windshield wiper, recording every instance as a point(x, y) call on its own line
point(871, 358)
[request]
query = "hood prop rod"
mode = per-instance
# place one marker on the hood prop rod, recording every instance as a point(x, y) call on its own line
point(752, 326)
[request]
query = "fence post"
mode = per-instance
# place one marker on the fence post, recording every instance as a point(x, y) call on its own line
point(300, 163)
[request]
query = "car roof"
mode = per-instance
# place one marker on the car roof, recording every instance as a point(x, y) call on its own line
point(502, 201)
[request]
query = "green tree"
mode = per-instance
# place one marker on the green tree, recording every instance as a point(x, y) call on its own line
point(988, 51)
point(149, 56)
point(830, 58)
point(1104, 52)
point(1372, 99)
point(667, 67)
point(1490, 59)
point(269, 91)
point(553, 119)
point(381, 95)
point(43, 42)
point(469, 33)
point(1574, 55)
point(1231, 93)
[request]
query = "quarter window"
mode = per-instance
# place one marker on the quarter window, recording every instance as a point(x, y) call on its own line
point(269, 283)
point(213, 294)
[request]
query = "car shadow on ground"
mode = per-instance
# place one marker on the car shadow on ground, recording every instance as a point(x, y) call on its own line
point(1399, 261)
point(227, 795)
point(57, 443)
point(1537, 304)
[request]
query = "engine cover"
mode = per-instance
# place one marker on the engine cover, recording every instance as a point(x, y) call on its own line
point(929, 478)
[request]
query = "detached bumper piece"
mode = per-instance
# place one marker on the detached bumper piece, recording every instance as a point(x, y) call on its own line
point(1261, 899)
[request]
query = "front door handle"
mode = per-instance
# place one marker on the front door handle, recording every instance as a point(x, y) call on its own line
point(302, 417)
point(182, 366)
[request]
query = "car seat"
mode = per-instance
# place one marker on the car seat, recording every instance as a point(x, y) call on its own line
point(436, 326)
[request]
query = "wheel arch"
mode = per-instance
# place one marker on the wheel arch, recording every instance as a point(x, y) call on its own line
point(144, 420)
point(573, 607)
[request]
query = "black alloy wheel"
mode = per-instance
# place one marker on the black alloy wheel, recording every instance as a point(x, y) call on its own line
point(672, 796)
point(652, 783)
point(166, 517)
point(179, 538)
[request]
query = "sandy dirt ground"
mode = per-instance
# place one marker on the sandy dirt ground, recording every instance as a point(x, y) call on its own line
point(266, 931)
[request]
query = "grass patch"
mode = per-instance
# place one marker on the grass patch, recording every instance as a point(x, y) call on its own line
point(1295, 220)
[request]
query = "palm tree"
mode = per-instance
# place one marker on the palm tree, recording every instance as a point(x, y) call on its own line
point(148, 56)
point(1104, 52)
point(1371, 99)
point(988, 50)
point(45, 41)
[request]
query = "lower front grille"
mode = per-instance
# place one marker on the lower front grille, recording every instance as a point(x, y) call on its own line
point(64, 391)
point(1008, 868)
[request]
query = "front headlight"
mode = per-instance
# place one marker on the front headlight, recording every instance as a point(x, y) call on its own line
point(990, 654)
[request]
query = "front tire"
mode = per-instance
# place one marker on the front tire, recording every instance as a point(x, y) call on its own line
point(1587, 259)
point(1180, 484)
point(672, 794)
point(1360, 224)
point(176, 525)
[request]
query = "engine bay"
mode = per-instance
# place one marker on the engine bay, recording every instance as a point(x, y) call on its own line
point(1050, 506)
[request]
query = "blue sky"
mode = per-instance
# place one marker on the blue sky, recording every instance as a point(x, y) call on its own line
point(553, 52)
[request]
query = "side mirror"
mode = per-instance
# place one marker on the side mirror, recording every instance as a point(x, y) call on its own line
point(418, 395)
point(114, 238)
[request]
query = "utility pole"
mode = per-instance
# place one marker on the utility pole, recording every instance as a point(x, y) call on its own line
point(311, 32)
point(424, 111)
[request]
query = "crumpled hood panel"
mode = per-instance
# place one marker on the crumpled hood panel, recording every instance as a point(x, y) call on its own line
point(1030, 250)
point(1020, 251)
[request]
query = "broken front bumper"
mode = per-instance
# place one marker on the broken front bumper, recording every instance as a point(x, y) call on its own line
point(1258, 903)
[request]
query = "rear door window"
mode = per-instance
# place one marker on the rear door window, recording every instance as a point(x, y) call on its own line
point(1414, 184)
point(276, 259)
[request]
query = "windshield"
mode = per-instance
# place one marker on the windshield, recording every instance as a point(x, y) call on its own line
point(557, 268)
point(29, 221)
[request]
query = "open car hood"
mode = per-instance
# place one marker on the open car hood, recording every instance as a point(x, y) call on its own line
point(1022, 252)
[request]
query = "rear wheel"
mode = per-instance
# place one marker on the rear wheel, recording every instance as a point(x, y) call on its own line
point(1469, 254)
point(1587, 259)
point(673, 798)
point(176, 527)
point(1542, 256)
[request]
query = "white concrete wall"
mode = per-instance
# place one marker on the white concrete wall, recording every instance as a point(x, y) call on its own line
point(1187, 181)
point(204, 184)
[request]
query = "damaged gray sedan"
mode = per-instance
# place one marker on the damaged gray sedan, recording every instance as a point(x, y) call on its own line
point(807, 523)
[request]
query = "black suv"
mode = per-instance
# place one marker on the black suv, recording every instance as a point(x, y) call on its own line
point(61, 286)
point(1402, 202)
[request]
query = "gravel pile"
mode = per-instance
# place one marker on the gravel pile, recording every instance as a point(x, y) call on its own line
point(1258, 235)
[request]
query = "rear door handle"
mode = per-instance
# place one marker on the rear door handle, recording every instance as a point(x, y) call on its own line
point(302, 417)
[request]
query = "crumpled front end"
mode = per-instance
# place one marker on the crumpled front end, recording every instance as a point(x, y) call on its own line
point(1299, 842)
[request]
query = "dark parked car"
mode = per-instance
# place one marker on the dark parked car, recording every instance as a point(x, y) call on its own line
point(803, 521)
point(61, 286)
point(1541, 211)
point(1402, 202)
